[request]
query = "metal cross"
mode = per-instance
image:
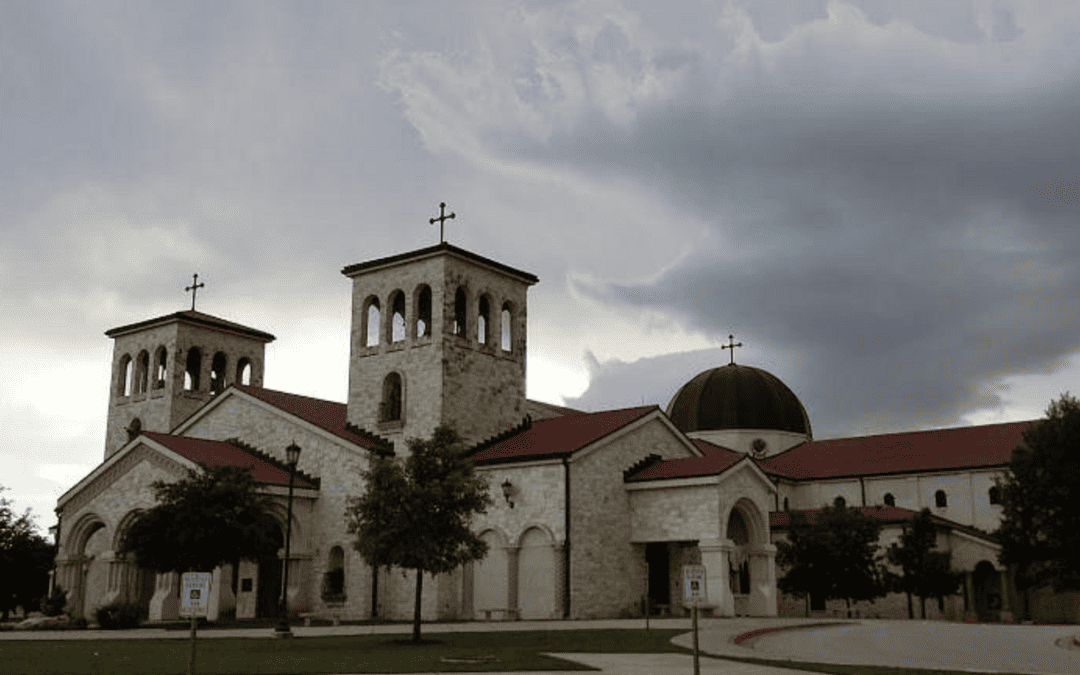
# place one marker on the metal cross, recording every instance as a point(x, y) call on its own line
point(194, 288)
point(442, 219)
point(731, 345)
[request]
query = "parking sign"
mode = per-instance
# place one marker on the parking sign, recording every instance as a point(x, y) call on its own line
point(694, 583)
point(194, 593)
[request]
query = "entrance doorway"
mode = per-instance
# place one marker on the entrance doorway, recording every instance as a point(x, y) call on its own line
point(987, 583)
point(656, 555)
point(269, 598)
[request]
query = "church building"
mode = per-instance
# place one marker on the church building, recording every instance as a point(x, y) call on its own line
point(591, 511)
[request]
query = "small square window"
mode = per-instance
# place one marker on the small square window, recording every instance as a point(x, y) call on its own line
point(245, 585)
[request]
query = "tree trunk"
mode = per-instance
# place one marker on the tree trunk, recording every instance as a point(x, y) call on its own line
point(910, 607)
point(416, 610)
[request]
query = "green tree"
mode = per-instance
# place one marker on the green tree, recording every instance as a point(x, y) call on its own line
point(25, 560)
point(212, 517)
point(924, 572)
point(833, 554)
point(416, 514)
point(1040, 495)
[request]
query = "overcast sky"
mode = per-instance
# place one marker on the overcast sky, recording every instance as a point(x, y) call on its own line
point(880, 199)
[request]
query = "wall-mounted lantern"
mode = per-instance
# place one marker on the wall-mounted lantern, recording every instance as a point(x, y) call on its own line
point(508, 491)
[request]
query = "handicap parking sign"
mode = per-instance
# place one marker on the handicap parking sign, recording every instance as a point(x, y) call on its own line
point(195, 593)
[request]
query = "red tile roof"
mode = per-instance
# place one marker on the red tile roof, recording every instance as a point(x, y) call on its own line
point(908, 452)
point(717, 459)
point(327, 415)
point(560, 436)
point(264, 468)
point(886, 514)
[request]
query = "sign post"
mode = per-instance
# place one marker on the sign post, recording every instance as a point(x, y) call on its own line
point(695, 589)
point(194, 602)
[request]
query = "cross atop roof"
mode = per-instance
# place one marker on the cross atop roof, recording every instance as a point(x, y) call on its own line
point(194, 288)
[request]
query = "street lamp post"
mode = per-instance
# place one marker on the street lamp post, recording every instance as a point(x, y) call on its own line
point(292, 456)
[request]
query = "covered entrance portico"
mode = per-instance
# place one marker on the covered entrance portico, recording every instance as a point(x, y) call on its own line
point(718, 521)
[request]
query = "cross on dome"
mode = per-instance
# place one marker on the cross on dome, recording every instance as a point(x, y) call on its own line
point(731, 345)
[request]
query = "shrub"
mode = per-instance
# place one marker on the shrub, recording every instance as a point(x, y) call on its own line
point(119, 616)
point(55, 603)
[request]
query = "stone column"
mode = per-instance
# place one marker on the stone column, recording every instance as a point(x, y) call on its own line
point(222, 599)
point(763, 580)
point(165, 605)
point(247, 600)
point(1006, 609)
point(513, 608)
point(69, 576)
point(714, 556)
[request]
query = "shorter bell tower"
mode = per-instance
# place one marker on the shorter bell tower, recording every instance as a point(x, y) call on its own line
point(438, 337)
point(164, 369)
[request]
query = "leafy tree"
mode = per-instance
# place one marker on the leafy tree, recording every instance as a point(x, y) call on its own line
point(924, 572)
point(833, 555)
point(416, 514)
point(25, 560)
point(1040, 494)
point(212, 517)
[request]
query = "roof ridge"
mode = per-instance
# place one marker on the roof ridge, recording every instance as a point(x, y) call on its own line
point(242, 387)
point(270, 459)
point(922, 431)
point(524, 425)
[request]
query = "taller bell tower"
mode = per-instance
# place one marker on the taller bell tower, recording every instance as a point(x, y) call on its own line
point(438, 337)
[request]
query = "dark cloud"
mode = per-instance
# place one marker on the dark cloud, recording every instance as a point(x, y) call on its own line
point(909, 250)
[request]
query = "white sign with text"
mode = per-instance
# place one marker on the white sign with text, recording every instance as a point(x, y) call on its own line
point(194, 593)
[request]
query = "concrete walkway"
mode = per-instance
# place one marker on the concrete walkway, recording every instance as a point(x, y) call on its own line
point(1039, 650)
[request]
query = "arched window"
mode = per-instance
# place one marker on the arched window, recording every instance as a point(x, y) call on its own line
point(194, 367)
point(217, 373)
point(785, 504)
point(397, 316)
point(123, 383)
point(134, 429)
point(507, 345)
point(371, 338)
point(995, 495)
point(459, 312)
point(142, 372)
point(423, 311)
point(334, 581)
point(839, 502)
point(391, 407)
point(940, 499)
point(889, 499)
point(243, 371)
point(483, 320)
point(162, 361)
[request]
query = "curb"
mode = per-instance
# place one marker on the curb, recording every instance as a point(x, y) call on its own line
point(750, 635)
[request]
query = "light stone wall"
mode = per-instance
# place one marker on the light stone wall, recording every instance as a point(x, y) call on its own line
point(682, 513)
point(968, 494)
point(607, 570)
point(741, 440)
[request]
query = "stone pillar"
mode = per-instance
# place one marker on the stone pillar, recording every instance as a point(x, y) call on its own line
point(763, 580)
point(69, 576)
point(116, 579)
point(513, 608)
point(1006, 609)
point(165, 605)
point(714, 556)
point(247, 594)
point(222, 600)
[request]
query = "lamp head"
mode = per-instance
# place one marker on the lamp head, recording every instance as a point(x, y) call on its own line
point(292, 454)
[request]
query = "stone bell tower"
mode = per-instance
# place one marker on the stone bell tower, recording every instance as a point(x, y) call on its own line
point(438, 337)
point(164, 369)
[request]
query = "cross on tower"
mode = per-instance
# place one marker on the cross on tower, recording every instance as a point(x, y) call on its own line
point(731, 345)
point(442, 219)
point(194, 288)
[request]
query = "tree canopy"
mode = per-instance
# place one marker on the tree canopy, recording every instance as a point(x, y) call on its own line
point(25, 560)
point(1040, 494)
point(212, 517)
point(925, 572)
point(834, 555)
point(416, 514)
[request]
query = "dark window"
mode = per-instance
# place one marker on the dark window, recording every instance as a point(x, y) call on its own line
point(840, 502)
point(459, 312)
point(142, 372)
point(391, 403)
point(940, 499)
point(397, 318)
point(483, 319)
point(423, 312)
point(134, 429)
point(243, 371)
point(785, 504)
point(889, 499)
point(217, 373)
point(246, 585)
point(995, 495)
point(162, 365)
point(334, 581)
point(194, 366)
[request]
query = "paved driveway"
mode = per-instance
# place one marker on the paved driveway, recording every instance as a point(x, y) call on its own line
point(919, 644)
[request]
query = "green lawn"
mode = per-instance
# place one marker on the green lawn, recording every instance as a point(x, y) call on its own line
point(447, 652)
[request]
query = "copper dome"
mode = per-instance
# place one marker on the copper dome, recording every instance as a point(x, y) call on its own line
point(737, 397)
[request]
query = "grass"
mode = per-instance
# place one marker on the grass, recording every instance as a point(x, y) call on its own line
point(439, 652)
